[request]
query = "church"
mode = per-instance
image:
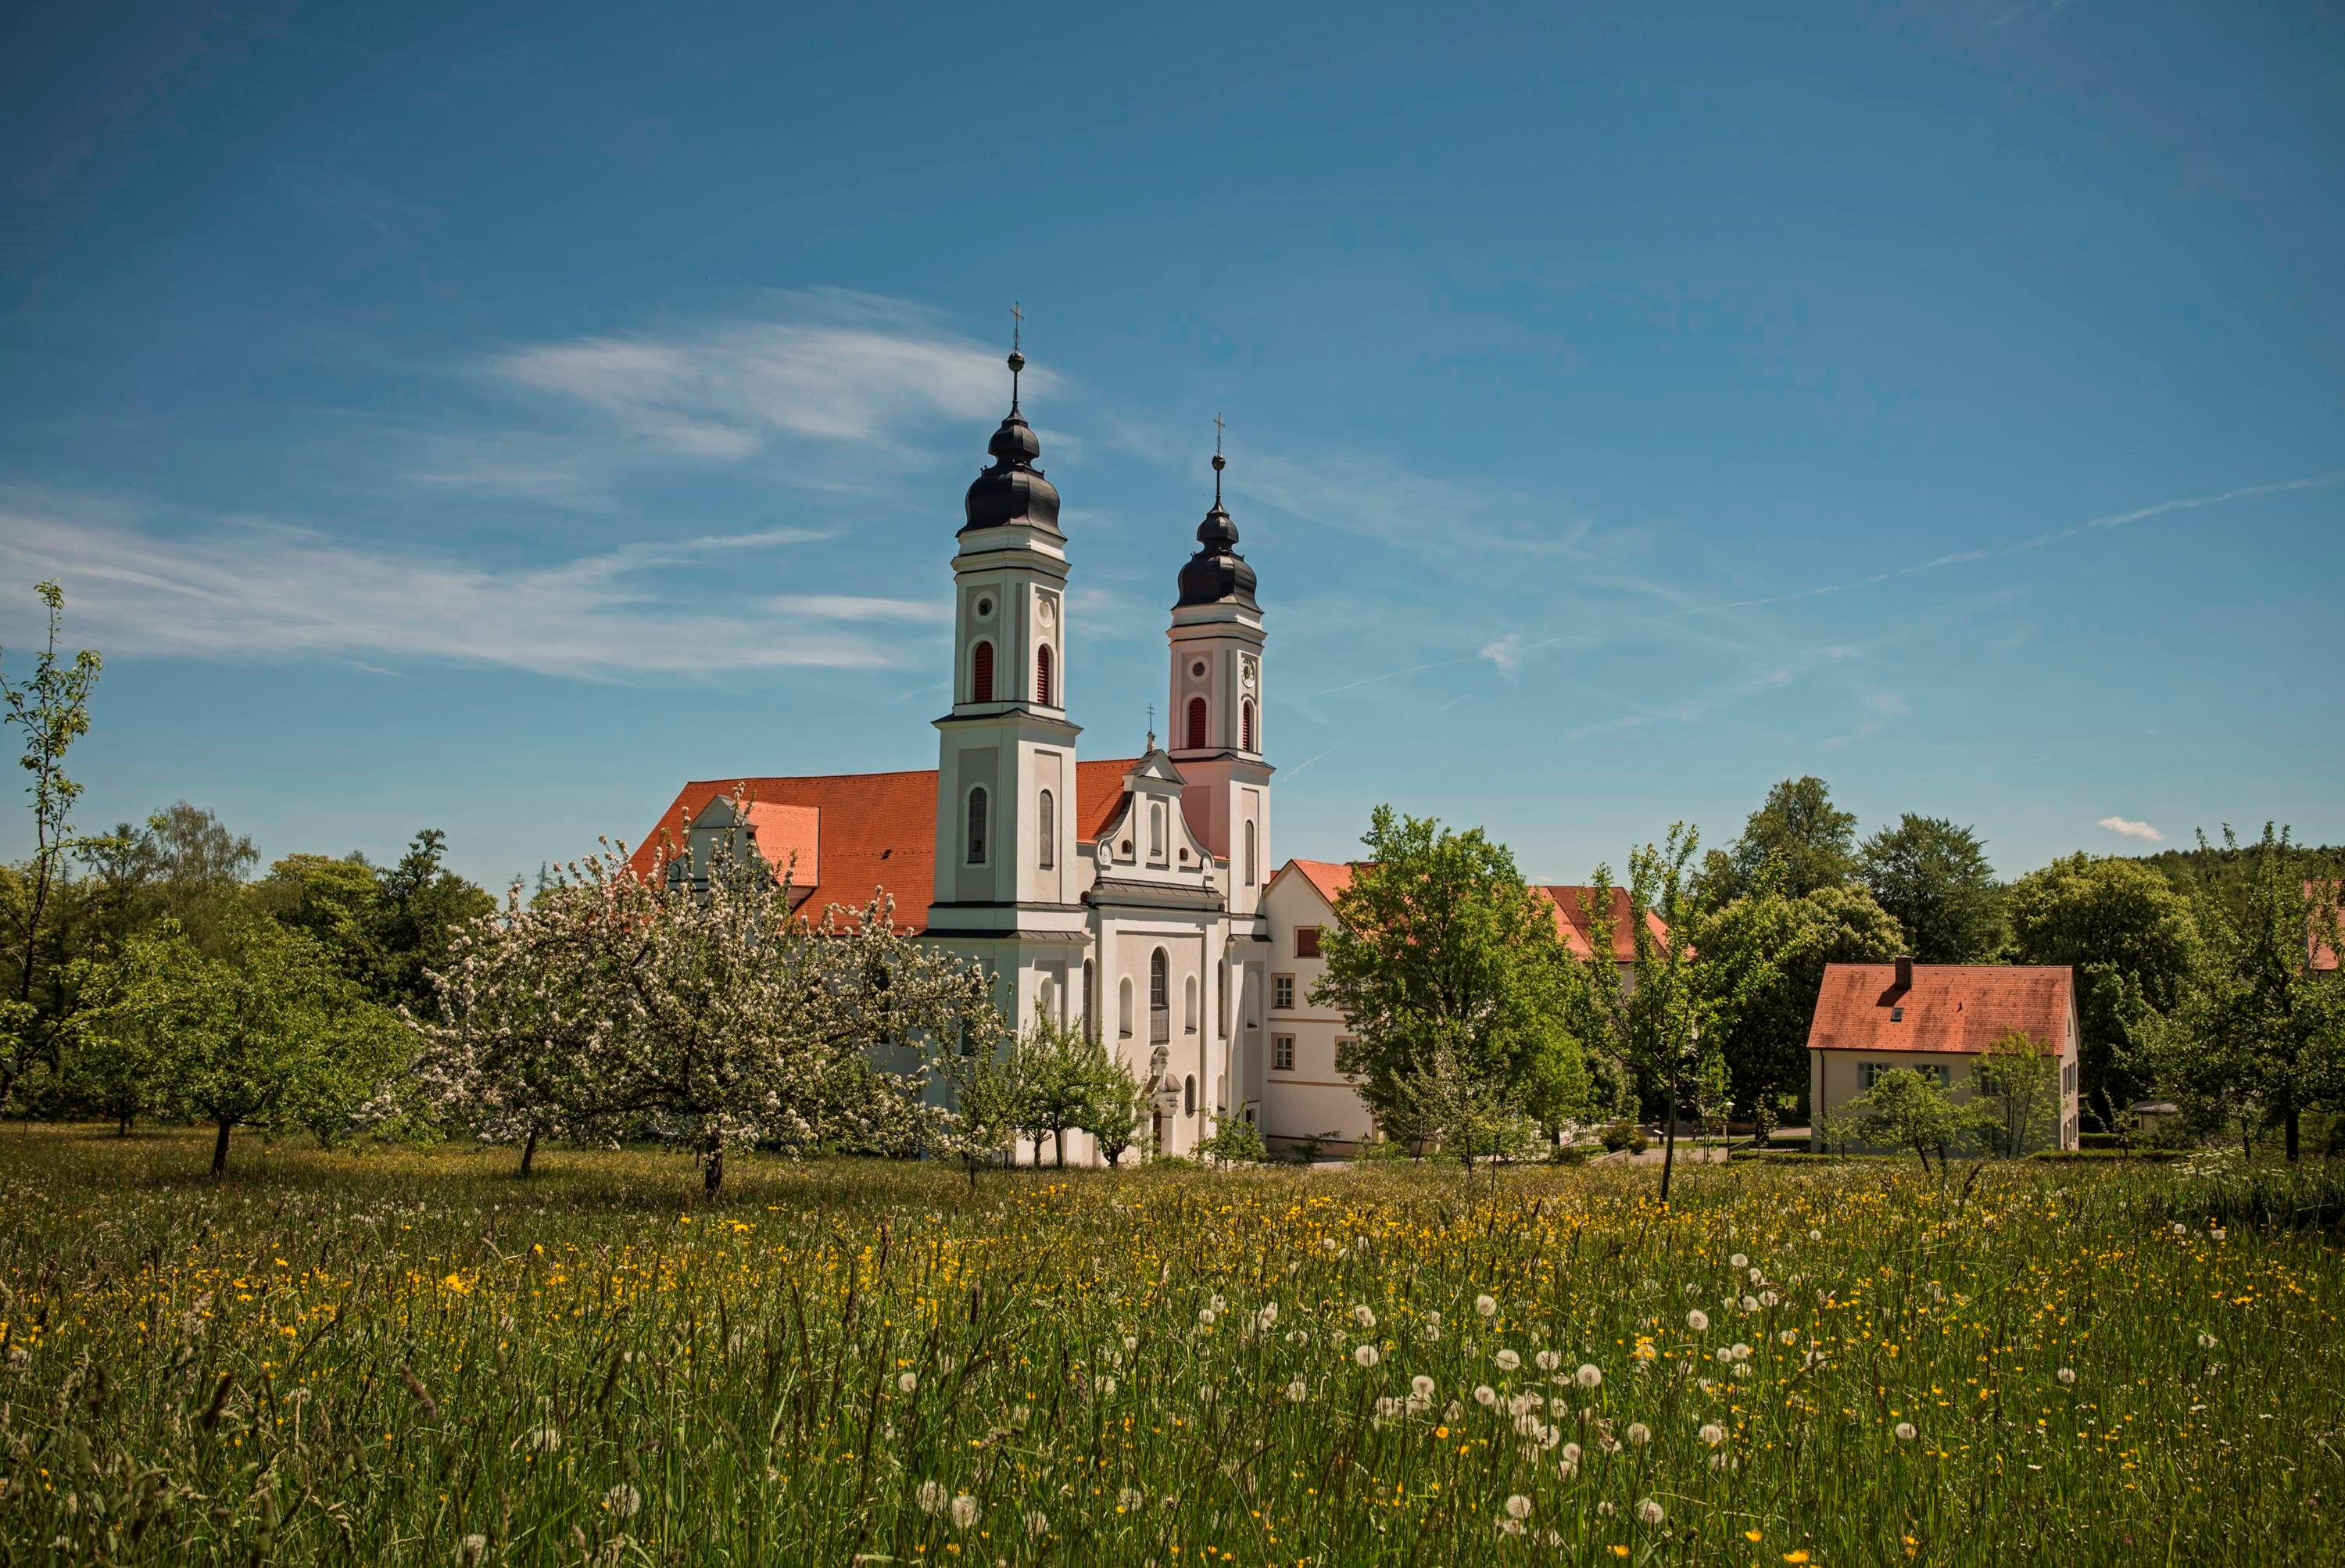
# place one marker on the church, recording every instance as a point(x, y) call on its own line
point(1126, 895)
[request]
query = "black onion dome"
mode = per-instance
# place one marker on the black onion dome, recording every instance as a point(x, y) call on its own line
point(1013, 490)
point(1217, 572)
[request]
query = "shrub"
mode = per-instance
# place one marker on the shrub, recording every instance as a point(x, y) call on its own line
point(1235, 1141)
point(1626, 1136)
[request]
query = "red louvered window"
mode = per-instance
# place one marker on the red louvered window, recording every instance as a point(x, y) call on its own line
point(1246, 727)
point(1042, 674)
point(980, 673)
point(1196, 724)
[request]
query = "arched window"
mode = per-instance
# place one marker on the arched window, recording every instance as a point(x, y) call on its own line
point(1048, 818)
point(1222, 998)
point(1042, 674)
point(1089, 1033)
point(1156, 831)
point(980, 673)
point(1249, 855)
point(1245, 725)
point(1160, 980)
point(1123, 1007)
point(1196, 724)
point(1189, 1005)
point(1189, 1095)
point(976, 826)
point(1046, 996)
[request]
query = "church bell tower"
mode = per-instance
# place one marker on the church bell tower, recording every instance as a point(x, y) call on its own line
point(1217, 702)
point(1005, 883)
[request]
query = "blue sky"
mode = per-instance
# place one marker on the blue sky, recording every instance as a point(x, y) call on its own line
point(486, 417)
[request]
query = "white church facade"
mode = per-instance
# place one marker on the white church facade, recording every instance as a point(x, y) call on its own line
point(1125, 894)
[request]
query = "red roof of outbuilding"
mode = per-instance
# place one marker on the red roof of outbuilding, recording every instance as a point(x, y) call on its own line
point(1330, 877)
point(1572, 922)
point(1957, 1007)
point(866, 831)
point(2322, 945)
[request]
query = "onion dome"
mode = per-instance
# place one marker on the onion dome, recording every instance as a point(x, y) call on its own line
point(1217, 574)
point(1013, 490)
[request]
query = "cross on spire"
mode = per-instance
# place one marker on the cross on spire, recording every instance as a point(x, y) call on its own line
point(1016, 360)
point(1219, 463)
point(1152, 727)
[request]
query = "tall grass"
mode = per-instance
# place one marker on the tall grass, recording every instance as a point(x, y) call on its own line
point(395, 1358)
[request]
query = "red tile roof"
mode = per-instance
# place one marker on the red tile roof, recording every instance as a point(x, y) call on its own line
point(1331, 878)
point(1572, 922)
point(1954, 1007)
point(866, 830)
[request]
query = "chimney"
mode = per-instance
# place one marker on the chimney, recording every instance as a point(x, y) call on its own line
point(1904, 972)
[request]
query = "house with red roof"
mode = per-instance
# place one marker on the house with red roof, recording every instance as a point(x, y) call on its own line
point(1123, 894)
point(1938, 1019)
point(1306, 1097)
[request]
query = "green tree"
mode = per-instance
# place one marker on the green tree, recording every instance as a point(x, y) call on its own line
point(1811, 843)
point(2133, 943)
point(988, 1105)
point(51, 710)
point(2257, 1005)
point(1062, 1072)
point(1762, 963)
point(1440, 946)
point(1934, 878)
point(1658, 1025)
point(420, 905)
point(1119, 1107)
point(2016, 1089)
point(198, 870)
point(263, 1033)
point(1907, 1109)
point(329, 899)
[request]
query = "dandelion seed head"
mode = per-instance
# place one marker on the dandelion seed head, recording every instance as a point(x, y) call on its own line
point(1507, 1362)
point(1366, 1355)
point(964, 1510)
point(2067, 1374)
point(933, 1497)
point(1638, 1434)
point(1486, 1306)
point(1905, 1432)
point(1590, 1375)
point(1650, 1513)
point(1698, 1320)
point(1519, 1506)
point(1484, 1394)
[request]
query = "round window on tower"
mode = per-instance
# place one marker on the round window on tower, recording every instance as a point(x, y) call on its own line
point(984, 609)
point(1197, 670)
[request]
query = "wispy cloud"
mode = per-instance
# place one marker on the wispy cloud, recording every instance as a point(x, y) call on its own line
point(247, 590)
point(1689, 709)
point(1875, 710)
point(855, 607)
point(2128, 827)
point(1505, 653)
point(827, 366)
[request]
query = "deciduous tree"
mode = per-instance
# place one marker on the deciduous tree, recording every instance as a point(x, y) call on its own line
point(1934, 879)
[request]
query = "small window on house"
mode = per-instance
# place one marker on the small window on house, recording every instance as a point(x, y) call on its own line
point(1196, 724)
point(1245, 725)
point(1042, 687)
point(1306, 941)
point(1282, 1053)
point(1282, 992)
point(1343, 1049)
point(980, 673)
point(1047, 820)
point(976, 826)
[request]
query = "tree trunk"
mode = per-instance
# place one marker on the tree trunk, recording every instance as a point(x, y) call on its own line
point(1669, 1154)
point(219, 1149)
point(528, 1151)
point(123, 1129)
point(712, 1172)
point(1059, 1147)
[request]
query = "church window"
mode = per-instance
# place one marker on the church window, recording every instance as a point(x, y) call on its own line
point(1156, 832)
point(1089, 1033)
point(1189, 1095)
point(1042, 676)
point(1189, 1005)
point(1123, 1008)
point(1159, 996)
point(1048, 822)
point(1222, 998)
point(976, 826)
point(1196, 724)
point(980, 673)
point(1249, 855)
point(1245, 726)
